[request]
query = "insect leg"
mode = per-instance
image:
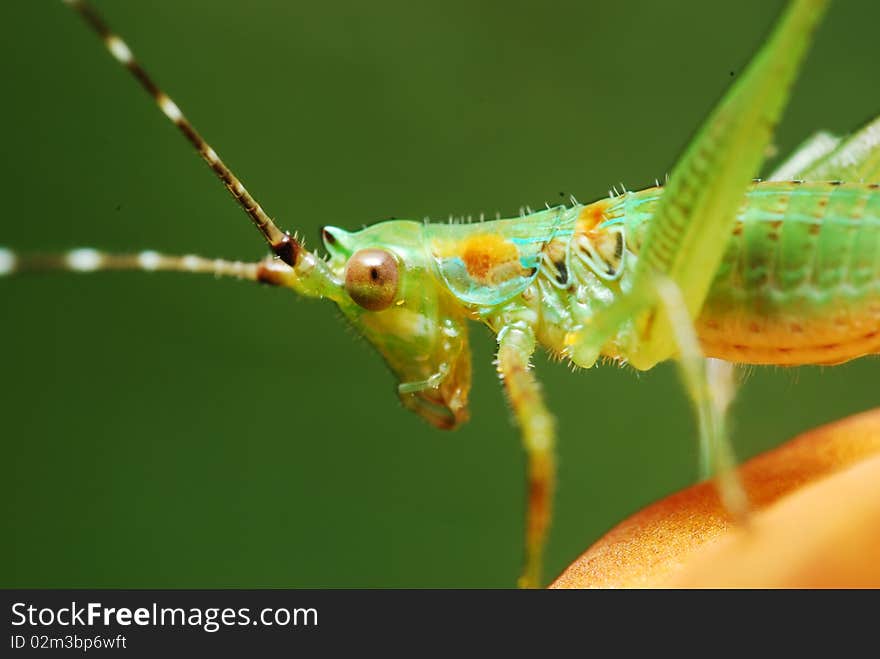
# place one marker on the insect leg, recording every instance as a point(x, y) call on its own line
point(812, 151)
point(722, 377)
point(710, 387)
point(688, 233)
point(857, 159)
point(516, 343)
point(584, 346)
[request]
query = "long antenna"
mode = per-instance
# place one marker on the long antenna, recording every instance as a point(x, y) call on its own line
point(87, 260)
point(285, 246)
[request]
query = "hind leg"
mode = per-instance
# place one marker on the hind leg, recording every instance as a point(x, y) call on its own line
point(710, 385)
point(856, 159)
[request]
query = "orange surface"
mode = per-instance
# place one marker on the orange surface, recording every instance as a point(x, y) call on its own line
point(815, 523)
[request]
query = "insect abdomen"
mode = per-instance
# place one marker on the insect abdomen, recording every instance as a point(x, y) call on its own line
point(800, 280)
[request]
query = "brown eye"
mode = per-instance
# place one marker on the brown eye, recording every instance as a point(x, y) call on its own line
point(371, 277)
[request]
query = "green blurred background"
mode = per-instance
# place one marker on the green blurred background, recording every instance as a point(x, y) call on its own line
point(168, 431)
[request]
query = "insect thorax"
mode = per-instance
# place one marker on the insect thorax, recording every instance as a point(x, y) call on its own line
point(551, 268)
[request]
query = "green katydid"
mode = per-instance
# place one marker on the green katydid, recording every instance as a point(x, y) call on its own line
point(600, 279)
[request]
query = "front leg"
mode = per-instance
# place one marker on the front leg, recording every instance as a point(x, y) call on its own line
point(516, 343)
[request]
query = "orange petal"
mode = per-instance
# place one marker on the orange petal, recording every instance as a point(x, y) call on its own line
point(815, 522)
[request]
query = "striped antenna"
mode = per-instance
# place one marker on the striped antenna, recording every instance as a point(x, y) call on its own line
point(285, 246)
point(86, 260)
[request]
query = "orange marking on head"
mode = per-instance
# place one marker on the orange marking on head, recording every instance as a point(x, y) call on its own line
point(484, 253)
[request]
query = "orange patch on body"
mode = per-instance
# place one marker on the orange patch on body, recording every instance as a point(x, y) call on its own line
point(591, 217)
point(488, 255)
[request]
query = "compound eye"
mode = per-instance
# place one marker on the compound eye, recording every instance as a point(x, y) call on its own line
point(371, 278)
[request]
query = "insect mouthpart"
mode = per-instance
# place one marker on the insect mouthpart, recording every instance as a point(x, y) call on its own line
point(442, 399)
point(431, 405)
